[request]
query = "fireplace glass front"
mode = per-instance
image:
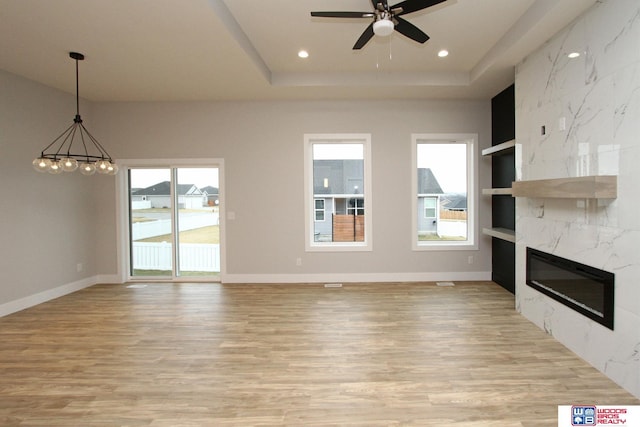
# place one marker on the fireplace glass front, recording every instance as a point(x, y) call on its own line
point(585, 289)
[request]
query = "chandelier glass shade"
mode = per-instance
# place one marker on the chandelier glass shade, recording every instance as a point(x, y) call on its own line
point(75, 148)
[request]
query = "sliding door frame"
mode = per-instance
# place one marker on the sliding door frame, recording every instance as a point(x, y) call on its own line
point(122, 213)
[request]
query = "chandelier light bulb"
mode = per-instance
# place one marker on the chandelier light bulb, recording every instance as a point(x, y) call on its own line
point(55, 167)
point(69, 164)
point(112, 169)
point(87, 168)
point(102, 166)
point(41, 164)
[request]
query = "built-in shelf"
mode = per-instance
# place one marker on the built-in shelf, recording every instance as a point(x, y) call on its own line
point(586, 187)
point(501, 233)
point(499, 148)
point(497, 191)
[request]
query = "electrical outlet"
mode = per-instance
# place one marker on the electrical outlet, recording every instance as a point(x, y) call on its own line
point(298, 261)
point(79, 267)
point(470, 259)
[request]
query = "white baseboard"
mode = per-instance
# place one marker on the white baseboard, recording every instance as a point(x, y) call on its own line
point(355, 277)
point(35, 299)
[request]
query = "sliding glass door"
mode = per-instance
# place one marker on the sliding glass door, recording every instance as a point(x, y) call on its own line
point(174, 224)
point(198, 222)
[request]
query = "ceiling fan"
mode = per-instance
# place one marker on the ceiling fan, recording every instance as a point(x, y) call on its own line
point(386, 19)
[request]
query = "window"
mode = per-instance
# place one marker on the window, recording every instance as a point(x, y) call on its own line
point(356, 206)
point(319, 209)
point(430, 207)
point(337, 192)
point(443, 189)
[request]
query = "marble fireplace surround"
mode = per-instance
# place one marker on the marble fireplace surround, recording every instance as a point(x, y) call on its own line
point(580, 118)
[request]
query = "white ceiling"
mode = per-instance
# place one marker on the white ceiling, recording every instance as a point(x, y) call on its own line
point(157, 50)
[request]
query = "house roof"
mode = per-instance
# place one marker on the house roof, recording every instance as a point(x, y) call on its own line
point(454, 201)
point(427, 182)
point(210, 190)
point(342, 176)
point(164, 189)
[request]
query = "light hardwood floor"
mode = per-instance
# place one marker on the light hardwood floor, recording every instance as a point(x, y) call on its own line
point(297, 355)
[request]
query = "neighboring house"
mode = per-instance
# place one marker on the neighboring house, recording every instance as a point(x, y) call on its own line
point(454, 202)
point(429, 193)
point(337, 190)
point(158, 195)
point(212, 195)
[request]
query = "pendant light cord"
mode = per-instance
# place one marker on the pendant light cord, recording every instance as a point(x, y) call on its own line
point(77, 57)
point(77, 91)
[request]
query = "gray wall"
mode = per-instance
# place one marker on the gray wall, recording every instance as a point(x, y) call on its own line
point(52, 223)
point(262, 145)
point(48, 222)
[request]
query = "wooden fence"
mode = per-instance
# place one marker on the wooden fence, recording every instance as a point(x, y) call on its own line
point(348, 228)
point(457, 215)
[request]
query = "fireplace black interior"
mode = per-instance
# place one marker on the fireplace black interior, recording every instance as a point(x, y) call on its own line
point(587, 290)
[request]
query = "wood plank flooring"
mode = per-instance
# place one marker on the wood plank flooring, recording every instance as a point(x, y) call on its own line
point(392, 354)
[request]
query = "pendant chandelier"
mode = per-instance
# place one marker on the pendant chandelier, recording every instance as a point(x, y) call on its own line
point(87, 154)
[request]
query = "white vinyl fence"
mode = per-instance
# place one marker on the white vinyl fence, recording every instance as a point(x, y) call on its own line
point(144, 230)
point(193, 256)
point(452, 228)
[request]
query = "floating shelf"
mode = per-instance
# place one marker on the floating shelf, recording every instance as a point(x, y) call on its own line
point(586, 187)
point(501, 233)
point(497, 191)
point(499, 148)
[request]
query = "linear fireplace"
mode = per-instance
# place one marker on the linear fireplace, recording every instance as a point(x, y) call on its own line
point(585, 289)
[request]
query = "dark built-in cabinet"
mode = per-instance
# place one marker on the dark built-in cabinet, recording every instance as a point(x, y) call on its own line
point(502, 153)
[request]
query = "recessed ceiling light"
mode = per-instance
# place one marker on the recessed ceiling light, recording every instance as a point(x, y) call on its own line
point(574, 55)
point(443, 53)
point(303, 54)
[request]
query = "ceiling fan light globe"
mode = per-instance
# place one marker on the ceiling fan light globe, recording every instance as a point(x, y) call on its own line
point(383, 27)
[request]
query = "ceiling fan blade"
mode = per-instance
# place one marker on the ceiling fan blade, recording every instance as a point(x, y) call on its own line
point(409, 6)
point(342, 14)
point(364, 38)
point(407, 29)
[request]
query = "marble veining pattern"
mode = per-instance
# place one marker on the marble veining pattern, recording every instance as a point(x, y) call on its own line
point(590, 109)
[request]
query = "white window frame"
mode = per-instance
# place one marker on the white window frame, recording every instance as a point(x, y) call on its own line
point(471, 140)
point(309, 203)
